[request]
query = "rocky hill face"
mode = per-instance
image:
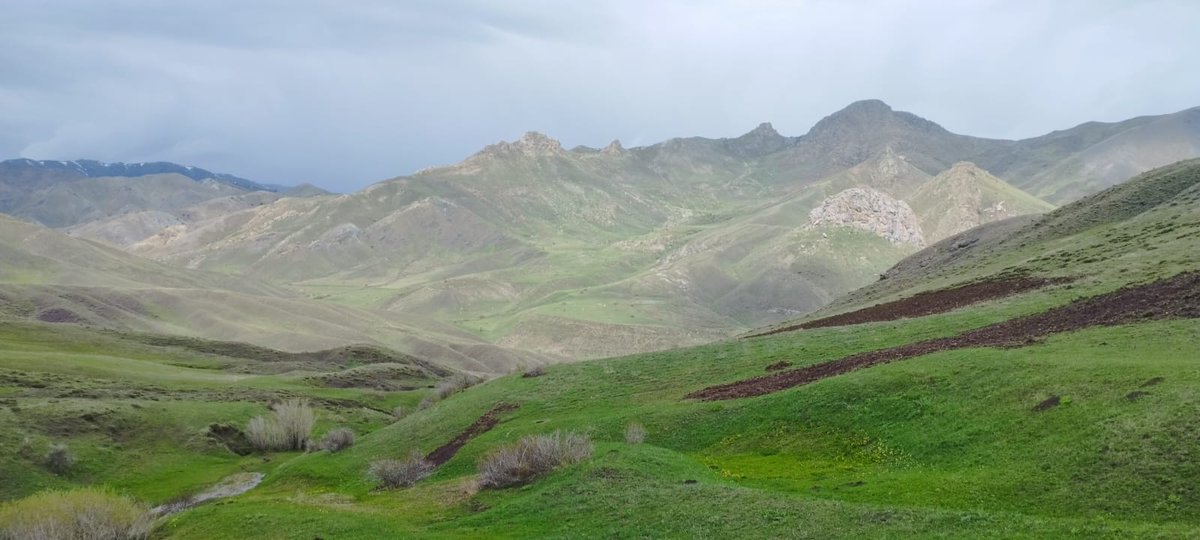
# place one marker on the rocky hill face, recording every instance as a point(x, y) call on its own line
point(871, 211)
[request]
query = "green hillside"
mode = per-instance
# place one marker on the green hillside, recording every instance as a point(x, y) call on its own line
point(50, 277)
point(1086, 432)
point(964, 197)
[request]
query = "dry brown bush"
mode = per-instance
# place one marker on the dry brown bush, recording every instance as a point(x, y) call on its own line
point(635, 433)
point(394, 473)
point(288, 428)
point(532, 456)
point(338, 439)
point(454, 384)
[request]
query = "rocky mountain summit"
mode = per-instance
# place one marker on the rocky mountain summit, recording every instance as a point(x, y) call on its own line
point(531, 144)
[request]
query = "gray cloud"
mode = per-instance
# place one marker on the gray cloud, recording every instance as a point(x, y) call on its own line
point(342, 94)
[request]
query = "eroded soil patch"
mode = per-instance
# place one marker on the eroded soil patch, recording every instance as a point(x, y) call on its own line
point(1047, 404)
point(927, 303)
point(1176, 297)
point(481, 426)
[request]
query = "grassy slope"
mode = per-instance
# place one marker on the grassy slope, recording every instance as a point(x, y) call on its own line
point(134, 413)
point(945, 445)
point(49, 276)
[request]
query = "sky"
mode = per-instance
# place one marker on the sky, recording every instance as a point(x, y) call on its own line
point(343, 94)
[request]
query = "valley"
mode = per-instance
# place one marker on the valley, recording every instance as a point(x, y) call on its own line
point(584, 253)
point(890, 341)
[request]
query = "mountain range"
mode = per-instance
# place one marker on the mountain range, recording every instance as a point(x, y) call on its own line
point(586, 252)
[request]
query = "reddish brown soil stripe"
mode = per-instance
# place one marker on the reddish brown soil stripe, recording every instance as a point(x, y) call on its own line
point(481, 426)
point(927, 303)
point(1176, 297)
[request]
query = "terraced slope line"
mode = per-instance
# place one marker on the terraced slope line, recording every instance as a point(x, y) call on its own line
point(484, 424)
point(1171, 298)
point(927, 303)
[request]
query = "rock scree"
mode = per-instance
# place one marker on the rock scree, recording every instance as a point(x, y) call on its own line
point(1171, 298)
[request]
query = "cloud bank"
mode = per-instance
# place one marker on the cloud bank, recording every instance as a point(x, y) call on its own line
point(343, 94)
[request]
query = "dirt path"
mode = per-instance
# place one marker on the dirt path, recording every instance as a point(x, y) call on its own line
point(927, 303)
point(481, 426)
point(1176, 297)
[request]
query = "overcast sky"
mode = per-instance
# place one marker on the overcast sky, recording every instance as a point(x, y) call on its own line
point(347, 93)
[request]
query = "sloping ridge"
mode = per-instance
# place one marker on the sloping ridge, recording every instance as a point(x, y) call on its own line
point(1176, 297)
point(1145, 192)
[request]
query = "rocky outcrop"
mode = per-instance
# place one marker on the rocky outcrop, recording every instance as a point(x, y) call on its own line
point(871, 211)
point(532, 144)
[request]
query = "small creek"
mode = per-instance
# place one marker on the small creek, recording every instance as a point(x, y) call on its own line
point(234, 484)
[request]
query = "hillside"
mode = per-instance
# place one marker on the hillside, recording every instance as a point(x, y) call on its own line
point(964, 197)
point(69, 193)
point(56, 279)
point(1039, 387)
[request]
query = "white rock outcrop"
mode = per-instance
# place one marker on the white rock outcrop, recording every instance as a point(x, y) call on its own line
point(871, 211)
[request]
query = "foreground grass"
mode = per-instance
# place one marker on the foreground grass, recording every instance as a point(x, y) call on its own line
point(135, 416)
point(944, 445)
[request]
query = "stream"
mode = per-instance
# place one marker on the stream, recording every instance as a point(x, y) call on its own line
point(234, 484)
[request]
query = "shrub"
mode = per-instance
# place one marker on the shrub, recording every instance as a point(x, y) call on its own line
point(338, 439)
point(90, 513)
point(59, 459)
point(454, 384)
point(296, 419)
point(264, 434)
point(536, 371)
point(288, 428)
point(531, 457)
point(393, 473)
point(426, 403)
point(635, 433)
point(28, 448)
point(399, 412)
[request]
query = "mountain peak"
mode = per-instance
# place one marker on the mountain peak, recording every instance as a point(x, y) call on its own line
point(614, 148)
point(860, 114)
point(966, 168)
point(868, 105)
point(531, 144)
point(764, 129)
point(759, 141)
point(533, 140)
